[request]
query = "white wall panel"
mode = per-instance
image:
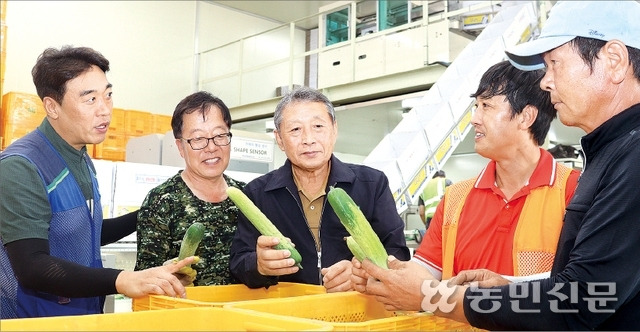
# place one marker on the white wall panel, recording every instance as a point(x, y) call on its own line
point(369, 59)
point(148, 45)
point(406, 50)
point(335, 66)
point(221, 61)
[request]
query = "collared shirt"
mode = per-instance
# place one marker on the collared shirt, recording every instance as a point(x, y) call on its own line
point(312, 205)
point(74, 158)
point(488, 221)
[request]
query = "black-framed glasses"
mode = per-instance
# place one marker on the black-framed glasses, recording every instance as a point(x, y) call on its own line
point(200, 143)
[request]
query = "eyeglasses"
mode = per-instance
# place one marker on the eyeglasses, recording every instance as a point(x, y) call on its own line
point(200, 143)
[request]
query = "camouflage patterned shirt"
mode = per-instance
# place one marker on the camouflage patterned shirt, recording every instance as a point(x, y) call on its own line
point(166, 213)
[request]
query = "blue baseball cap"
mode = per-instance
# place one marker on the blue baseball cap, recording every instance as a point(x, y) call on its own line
point(604, 20)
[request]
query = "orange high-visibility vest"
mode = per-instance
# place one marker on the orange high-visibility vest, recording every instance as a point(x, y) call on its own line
point(536, 236)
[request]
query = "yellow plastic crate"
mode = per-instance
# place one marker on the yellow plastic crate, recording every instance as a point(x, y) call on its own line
point(137, 123)
point(113, 154)
point(3, 10)
point(21, 113)
point(160, 123)
point(351, 311)
point(191, 319)
point(112, 148)
point(3, 48)
point(430, 322)
point(117, 125)
point(218, 296)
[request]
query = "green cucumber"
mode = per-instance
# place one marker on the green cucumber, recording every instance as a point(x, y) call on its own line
point(261, 222)
point(191, 240)
point(355, 248)
point(357, 225)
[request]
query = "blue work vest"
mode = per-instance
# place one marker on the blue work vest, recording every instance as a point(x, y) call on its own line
point(74, 233)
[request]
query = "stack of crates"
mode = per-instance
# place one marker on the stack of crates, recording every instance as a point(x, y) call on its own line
point(137, 123)
point(126, 124)
point(21, 114)
point(3, 56)
point(114, 144)
point(160, 124)
point(344, 311)
point(3, 46)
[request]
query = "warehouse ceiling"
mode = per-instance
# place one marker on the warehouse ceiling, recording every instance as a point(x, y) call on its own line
point(363, 125)
point(289, 11)
point(278, 11)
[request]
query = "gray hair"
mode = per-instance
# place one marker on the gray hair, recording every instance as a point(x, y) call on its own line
point(302, 95)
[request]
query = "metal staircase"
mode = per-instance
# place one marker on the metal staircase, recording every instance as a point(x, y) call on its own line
point(429, 133)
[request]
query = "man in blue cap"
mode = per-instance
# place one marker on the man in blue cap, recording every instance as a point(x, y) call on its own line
point(591, 51)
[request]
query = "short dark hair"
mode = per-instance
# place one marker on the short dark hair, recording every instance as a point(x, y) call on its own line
point(302, 94)
point(588, 49)
point(200, 101)
point(520, 88)
point(54, 68)
point(439, 174)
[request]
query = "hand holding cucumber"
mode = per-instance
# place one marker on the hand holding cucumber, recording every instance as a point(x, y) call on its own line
point(188, 247)
point(270, 262)
point(186, 274)
point(363, 242)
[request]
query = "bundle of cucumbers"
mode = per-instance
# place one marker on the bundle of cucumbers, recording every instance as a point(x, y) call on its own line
point(363, 242)
point(261, 222)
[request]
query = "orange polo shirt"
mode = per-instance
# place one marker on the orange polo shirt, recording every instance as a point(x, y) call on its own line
point(488, 221)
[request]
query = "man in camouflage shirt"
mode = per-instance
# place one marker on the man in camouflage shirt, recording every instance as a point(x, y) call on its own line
point(167, 212)
point(201, 126)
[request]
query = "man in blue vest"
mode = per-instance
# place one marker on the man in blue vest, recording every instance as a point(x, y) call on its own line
point(51, 226)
